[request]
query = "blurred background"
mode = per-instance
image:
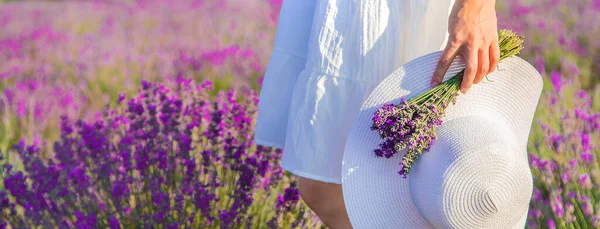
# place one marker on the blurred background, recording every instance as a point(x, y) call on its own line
point(139, 114)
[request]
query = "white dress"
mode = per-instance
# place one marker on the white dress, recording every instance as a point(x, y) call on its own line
point(327, 58)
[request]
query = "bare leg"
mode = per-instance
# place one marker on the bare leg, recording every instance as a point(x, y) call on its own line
point(326, 200)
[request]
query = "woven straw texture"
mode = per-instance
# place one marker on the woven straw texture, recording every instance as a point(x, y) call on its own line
point(476, 174)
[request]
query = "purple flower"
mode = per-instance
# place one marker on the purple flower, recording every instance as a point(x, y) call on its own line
point(596, 5)
point(537, 213)
point(122, 97)
point(556, 81)
point(551, 224)
point(585, 181)
point(557, 206)
point(114, 223)
point(537, 195)
point(587, 157)
point(290, 197)
point(585, 143)
point(596, 221)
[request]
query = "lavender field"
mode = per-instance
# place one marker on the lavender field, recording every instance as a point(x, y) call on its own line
point(140, 114)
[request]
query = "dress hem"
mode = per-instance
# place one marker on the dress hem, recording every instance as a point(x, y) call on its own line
point(310, 176)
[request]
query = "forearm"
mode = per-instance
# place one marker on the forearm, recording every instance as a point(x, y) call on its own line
point(475, 11)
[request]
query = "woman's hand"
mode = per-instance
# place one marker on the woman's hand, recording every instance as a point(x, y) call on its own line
point(473, 34)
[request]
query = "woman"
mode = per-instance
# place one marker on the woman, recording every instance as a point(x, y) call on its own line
point(330, 54)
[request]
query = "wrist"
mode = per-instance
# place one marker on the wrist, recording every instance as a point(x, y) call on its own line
point(473, 8)
point(477, 4)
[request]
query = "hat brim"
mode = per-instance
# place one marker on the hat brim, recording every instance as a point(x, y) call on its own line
point(374, 194)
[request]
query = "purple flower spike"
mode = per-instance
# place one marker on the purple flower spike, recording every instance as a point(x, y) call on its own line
point(551, 224)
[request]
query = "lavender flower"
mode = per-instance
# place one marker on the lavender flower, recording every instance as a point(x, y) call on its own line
point(285, 204)
point(551, 224)
point(289, 199)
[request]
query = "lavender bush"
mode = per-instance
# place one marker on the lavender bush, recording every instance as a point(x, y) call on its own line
point(73, 57)
point(563, 156)
point(561, 41)
point(169, 157)
point(561, 36)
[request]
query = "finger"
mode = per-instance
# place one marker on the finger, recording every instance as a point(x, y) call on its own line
point(443, 64)
point(483, 64)
point(494, 55)
point(470, 70)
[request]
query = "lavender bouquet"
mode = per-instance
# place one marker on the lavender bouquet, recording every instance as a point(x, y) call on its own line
point(411, 123)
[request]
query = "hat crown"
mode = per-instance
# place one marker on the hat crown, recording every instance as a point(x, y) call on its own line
point(474, 176)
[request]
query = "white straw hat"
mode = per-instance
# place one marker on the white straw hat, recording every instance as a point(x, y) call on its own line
point(476, 174)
